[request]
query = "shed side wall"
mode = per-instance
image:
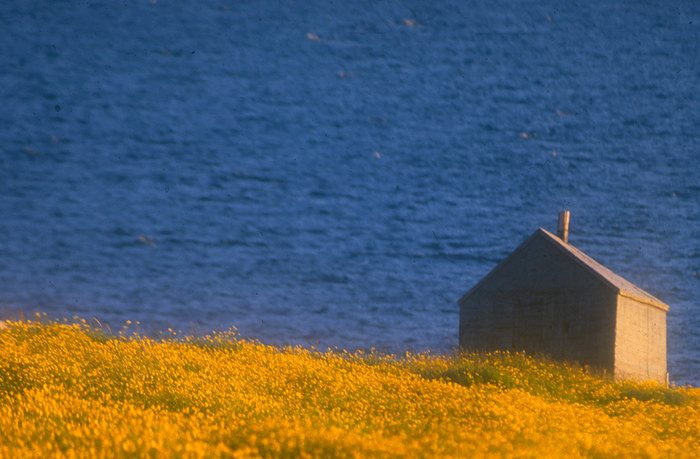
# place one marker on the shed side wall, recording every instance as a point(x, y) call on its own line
point(640, 344)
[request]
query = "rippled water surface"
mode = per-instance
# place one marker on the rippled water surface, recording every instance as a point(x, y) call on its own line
point(341, 173)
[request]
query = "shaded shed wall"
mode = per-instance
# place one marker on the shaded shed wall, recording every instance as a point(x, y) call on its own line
point(540, 300)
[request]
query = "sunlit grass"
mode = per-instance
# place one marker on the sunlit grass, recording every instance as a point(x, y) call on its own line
point(70, 389)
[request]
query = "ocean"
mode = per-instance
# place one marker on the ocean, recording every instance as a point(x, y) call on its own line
point(341, 173)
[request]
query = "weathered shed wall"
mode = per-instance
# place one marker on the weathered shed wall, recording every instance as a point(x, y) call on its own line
point(539, 300)
point(567, 327)
point(640, 345)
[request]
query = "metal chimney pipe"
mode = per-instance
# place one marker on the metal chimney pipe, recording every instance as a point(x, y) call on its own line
point(563, 228)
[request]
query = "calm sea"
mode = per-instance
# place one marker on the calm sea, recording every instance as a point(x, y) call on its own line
point(340, 173)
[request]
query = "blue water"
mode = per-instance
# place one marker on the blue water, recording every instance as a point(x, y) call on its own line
point(340, 173)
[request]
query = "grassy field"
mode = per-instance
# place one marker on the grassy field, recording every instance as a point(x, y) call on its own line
point(72, 390)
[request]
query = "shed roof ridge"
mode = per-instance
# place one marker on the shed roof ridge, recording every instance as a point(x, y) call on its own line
point(617, 282)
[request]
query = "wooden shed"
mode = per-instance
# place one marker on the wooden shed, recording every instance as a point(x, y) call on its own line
point(548, 297)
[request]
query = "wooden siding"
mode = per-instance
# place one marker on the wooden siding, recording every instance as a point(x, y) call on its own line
point(640, 344)
point(541, 302)
point(549, 297)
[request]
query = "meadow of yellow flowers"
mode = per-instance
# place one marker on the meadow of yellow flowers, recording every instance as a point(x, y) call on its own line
point(73, 390)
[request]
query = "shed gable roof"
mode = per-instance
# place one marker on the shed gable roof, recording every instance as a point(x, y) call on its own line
point(615, 282)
